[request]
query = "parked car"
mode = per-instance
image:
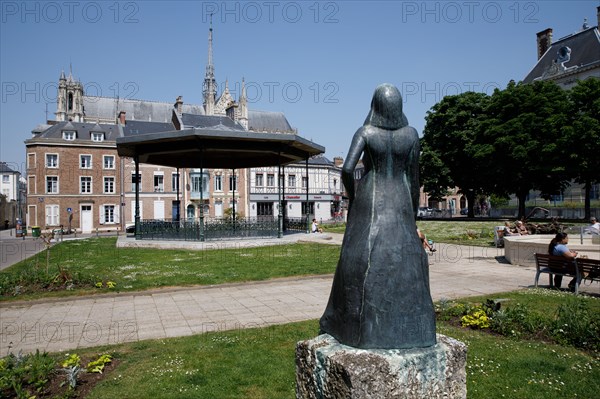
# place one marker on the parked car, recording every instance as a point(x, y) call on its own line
point(424, 212)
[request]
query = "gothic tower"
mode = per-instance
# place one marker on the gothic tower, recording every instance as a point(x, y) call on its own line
point(243, 116)
point(209, 90)
point(69, 100)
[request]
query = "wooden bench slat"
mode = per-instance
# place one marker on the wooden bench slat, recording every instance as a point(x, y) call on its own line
point(580, 268)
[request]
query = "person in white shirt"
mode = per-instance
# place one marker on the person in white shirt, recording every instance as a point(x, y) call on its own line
point(595, 226)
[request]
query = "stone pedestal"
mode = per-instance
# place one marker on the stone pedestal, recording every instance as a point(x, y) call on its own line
point(327, 369)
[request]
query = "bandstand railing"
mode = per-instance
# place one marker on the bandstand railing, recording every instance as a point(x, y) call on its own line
point(215, 228)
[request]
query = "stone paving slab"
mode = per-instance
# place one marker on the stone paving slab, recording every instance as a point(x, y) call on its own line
point(67, 324)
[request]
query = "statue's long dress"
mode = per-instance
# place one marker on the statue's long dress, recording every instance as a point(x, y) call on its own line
point(380, 296)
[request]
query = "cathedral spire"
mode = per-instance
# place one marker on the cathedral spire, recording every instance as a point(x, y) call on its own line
point(243, 117)
point(209, 89)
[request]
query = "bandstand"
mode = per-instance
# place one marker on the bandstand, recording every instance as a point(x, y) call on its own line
point(217, 148)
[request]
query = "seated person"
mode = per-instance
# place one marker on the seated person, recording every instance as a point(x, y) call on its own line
point(594, 227)
point(315, 227)
point(558, 247)
point(521, 228)
point(508, 230)
point(427, 244)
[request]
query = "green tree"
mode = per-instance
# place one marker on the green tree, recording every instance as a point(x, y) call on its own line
point(449, 151)
point(583, 140)
point(521, 140)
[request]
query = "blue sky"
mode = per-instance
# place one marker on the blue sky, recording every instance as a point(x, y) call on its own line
point(318, 62)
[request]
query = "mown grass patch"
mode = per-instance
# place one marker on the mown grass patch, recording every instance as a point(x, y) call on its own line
point(96, 266)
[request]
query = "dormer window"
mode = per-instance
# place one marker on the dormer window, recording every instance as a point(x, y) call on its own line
point(69, 135)
point(97, 136)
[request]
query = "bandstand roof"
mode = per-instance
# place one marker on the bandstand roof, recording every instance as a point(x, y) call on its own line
point(217, 148)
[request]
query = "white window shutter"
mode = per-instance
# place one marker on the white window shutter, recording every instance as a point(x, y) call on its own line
point(101, 216)
point(117, 219)
point(48, 215)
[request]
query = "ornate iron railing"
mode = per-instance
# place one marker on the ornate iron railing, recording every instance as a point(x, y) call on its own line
point(213, 229)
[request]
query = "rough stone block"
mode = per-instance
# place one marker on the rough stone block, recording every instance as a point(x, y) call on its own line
point(327, 369)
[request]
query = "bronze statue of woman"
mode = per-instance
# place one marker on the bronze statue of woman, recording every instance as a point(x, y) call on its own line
point(380, 296)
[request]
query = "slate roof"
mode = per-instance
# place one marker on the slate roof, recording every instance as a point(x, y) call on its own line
point(212, 121)
point(4, 168)
point(107, 108)
point(84, 132)
point(270, 122)
point(133, 128)
point(319, 160)
point(585, 53)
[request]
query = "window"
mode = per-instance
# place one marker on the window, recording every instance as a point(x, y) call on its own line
point(97, 136)
point(31, 188)
point(264, 209)
point(136, 180)
point(270, 180)
point(304, 182)
point(85, 161)
point(31, 160)
point(51, 215)
point(52, 160)
point(259, 180)
point(232, 183)
point(175, 182)
point(159, 183)
point(109, 162)
point(51, 184)
point(310, 209)
point(5, 179)
point(108, 214)
point(200, 184)
point(109, 185)
point(292, 181)
point(85, 184)
point(196, 182)
point(218, 183)
point(69, 135)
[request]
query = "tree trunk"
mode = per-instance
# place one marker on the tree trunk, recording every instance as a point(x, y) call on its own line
point(470, 194)
point(588, 205)
point(522, 196)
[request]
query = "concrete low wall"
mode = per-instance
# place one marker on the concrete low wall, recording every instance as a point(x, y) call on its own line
point(561, 213)
point(519, 250)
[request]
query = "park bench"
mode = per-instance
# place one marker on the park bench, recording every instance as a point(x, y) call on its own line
point(581, 269)
point(589, 269)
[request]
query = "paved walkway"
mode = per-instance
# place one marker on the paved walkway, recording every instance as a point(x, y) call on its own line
point(66, 324)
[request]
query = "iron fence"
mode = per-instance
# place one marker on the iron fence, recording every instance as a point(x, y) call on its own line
point(215, 229)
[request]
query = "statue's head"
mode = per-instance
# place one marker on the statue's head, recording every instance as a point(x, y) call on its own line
point(386, 108)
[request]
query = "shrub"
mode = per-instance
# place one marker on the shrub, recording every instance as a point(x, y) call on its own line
point(576, 325)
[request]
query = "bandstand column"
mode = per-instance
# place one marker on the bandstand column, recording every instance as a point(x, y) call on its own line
point(137, 195)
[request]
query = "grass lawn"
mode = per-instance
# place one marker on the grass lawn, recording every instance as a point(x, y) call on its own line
point(259, 363)
point(88, 262)
point(96, 265)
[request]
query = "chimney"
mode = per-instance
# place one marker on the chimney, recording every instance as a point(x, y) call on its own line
point(179, 105)
point(121, 120)
point(544, 41)
point(338, 161)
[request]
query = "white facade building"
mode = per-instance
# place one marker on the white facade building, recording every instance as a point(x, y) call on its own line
point(321, 201)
